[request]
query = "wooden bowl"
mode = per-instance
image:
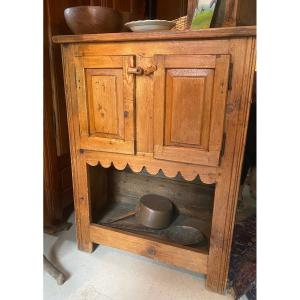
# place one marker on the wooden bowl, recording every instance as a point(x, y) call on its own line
point(93, 19)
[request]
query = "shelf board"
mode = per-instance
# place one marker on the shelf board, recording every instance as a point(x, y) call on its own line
point(221, 32)
point(116, 209)
point(181, 256)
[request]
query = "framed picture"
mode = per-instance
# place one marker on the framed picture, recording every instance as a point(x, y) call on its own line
point(201, 13)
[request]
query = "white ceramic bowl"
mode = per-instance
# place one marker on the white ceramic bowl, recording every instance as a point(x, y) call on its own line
point(150, 25)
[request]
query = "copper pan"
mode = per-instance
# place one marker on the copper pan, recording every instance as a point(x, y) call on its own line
point(153, 211)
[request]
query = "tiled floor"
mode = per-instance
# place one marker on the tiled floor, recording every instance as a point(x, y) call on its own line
point(110, 274)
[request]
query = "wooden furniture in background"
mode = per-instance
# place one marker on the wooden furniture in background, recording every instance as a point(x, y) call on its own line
point(228, 13)
point(58, 198)
point(133, 6)
point(169, 101)
point(171, 9)
point(164, 9)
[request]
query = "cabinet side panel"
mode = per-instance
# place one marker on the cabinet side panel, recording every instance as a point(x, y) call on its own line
point(227, 187)
point(79, 169)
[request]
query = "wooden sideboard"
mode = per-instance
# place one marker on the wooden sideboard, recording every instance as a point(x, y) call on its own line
point(164, 103)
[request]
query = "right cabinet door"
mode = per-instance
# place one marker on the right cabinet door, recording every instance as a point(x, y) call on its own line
point(189, 106)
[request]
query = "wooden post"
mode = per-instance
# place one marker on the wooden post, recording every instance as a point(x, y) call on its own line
point(79, 167)
point(228, 181)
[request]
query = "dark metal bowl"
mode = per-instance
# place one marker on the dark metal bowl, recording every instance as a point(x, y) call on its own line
point(93, 19)
point(187, 231)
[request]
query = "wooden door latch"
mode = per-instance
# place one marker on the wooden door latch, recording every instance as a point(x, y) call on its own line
point(140, 71)
point(136, 70)
point(150, 69)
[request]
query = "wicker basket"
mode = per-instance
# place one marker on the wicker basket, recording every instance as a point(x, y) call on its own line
point(181, 24)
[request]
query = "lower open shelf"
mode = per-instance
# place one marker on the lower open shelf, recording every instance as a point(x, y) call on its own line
point(120, 191)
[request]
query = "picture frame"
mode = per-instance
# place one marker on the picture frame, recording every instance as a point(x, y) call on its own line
point(225, 13)
point(202, 15)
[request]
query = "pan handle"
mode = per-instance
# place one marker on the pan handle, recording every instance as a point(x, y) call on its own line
point(122, 217)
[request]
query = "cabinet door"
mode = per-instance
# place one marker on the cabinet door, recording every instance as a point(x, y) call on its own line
point(189, 107)
point(105, 93)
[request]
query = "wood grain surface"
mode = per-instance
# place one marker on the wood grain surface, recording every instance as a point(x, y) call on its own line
point(213, 149)
point(227, 32)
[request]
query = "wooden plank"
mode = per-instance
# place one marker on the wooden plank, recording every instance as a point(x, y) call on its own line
point(144, 108)
point(129, 187)
point(184, 107)
point(188, 106)
point(96, 143)
point(82, 99)
point(170, 168)
point(227, 186)
point(52, 188)
point(150, 48)
point(105, 102)
point(230, 13)
point(190, 61)
point(79, 167)
point(219, 102)
point(166, 35)
point(187, 155)
point(170, 9)
point(246, 13)
point(101, 61)
point(98, 189)
point(180, 256)
point(159, 86)
point(129, 100)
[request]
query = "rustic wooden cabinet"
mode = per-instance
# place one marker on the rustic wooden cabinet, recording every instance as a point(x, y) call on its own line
point(170, 102)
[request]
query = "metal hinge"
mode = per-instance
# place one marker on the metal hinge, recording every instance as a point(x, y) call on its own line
point(223, 145)
point(230, 76)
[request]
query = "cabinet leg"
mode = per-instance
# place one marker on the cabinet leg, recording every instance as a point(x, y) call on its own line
point(221, 236)
point(228, 181)
point(82, 206)
point(85, 246)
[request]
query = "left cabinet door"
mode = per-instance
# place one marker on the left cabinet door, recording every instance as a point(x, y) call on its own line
point(105, 94)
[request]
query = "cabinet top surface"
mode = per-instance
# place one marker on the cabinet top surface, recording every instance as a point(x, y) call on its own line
point(211, 33)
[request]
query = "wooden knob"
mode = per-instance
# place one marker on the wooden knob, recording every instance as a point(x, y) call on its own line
point(136, 71)
point(149, 70)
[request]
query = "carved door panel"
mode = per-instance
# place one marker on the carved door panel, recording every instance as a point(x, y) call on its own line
point(105, 92)
point(189, 105)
